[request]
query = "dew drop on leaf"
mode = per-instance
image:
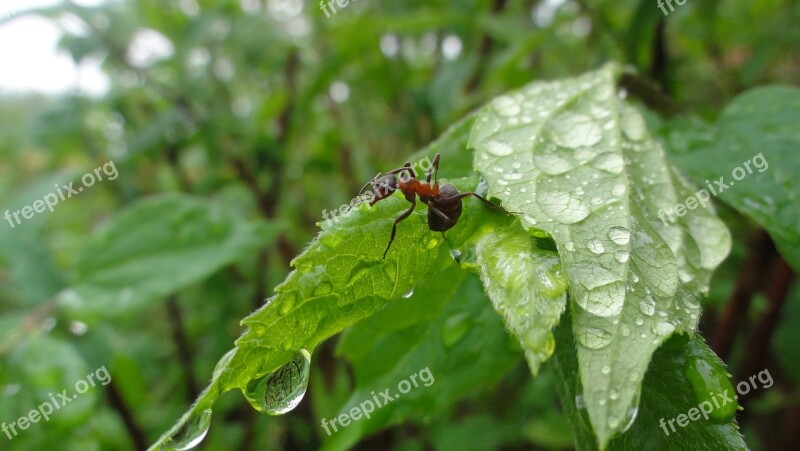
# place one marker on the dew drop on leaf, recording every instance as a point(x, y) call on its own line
point(499, 148)
point(323, 288)
point(408, 294)
point(281, 391)
point(619, 235)
point(192, 432)
point(595, 246)
point(594, 338)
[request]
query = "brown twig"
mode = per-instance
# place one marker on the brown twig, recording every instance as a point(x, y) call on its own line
point(133, 428)
point(758, 342)
point(182, 345)
point(484, 51)
point(751, 273)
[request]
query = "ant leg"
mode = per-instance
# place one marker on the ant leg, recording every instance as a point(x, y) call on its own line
point(434, 170)
point(439, 213)
point(477, 196)
point(406, 214)
point(445, 237)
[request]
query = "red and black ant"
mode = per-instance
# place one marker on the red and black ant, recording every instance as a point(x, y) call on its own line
point(444, 202)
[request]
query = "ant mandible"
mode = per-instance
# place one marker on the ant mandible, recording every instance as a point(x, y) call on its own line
point(444, 202)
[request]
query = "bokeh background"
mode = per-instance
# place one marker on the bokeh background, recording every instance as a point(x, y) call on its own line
point(234, 124)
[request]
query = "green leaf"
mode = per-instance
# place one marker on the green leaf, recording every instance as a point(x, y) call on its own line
point(339, 279)
point(155, 248)
point(756, 141)
point(447, 327)
point(578, 163)
point(668, 391)
point(526, 285)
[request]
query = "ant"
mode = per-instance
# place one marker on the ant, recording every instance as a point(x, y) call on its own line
point(444, 202)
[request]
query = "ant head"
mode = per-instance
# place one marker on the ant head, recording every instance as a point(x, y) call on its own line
point(385, 185)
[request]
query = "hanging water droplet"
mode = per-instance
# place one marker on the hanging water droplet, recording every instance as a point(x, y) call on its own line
point(619, 235)
point(408, 294)
point(281, 391)
point(595, 246)
point(192, 432)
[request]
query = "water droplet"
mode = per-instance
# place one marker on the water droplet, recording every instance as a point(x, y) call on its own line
point(691, 301)
point(323, 288)
point(331, 239)
point(223, 363)
point(281, 391)
point(625, 330)
point(685, 275)
point(286, 302)
point(609, 162)
point(506, 106)
point(595, 246)
point(560, 205)
point(664, 328)
point(579, 402)
point(619, 235)
point(639, 321)
point(633, 126)
point(569, 246)
point(618, 190)
point(606, 369)
point(575, 130)
point(192, 432)
point(408, 294)
point(499, 148)
point(613, 422)
point(647, 305)
point(594, 338)
point(613, 394)
point(621, 256)
point(454, 328)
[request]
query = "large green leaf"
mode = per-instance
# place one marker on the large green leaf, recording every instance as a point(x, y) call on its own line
point(155, 248)
point(447, 327)
point(669, 390)
point(578, 163)
point(339, 279)
point(753, 152)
